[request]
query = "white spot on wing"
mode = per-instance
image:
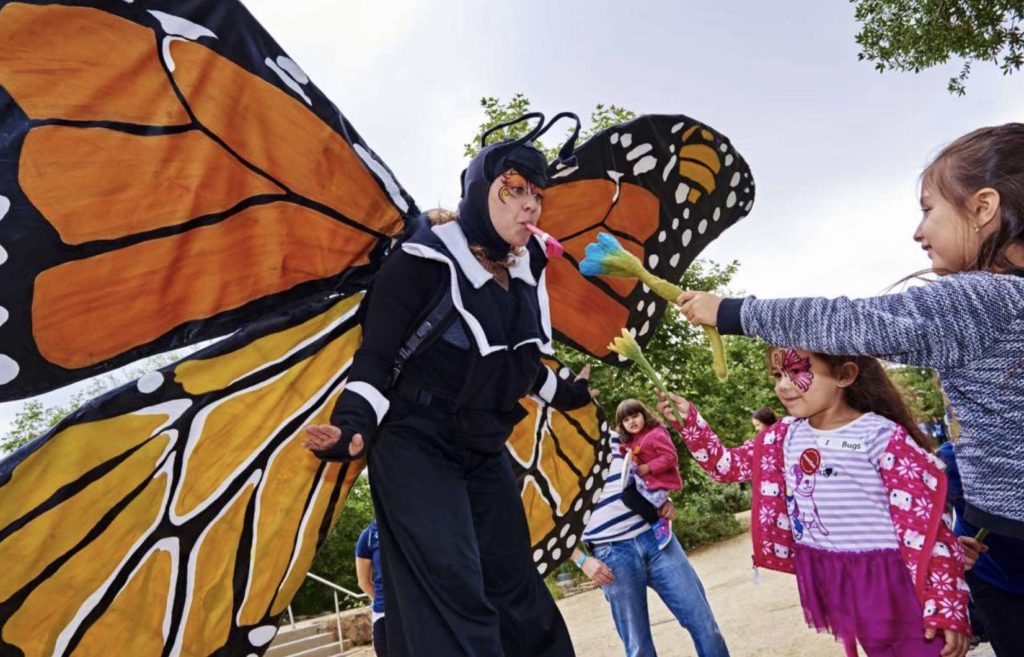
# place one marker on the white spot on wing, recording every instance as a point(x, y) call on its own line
point(389, 182)
point(293, 70)
point(728, 160)
point(638, 151)
point(674, 260)
point(150, 382)
point(3, 255)
point(166, 48)
point(681, 191)
point(702, 226)
point(687, 236)
point(4, 315)
point(8, 369)
point(288, 80)
point(178, 26)
point(627, 140)
point(735, 179)
point(617, 177)
point(261, 636)
point(677, 127)
point(644, 165)
point(653, 260)
point(731, 200)
point(614, 138)
point(566, 172)
point(669, 167)
point(5, 205)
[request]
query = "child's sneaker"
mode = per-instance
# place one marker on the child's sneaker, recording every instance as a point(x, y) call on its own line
point(663, 533)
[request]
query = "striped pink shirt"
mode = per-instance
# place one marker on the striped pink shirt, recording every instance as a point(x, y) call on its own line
point(834, 491)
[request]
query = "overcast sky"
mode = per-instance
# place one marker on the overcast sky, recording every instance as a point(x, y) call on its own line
point(835, 147)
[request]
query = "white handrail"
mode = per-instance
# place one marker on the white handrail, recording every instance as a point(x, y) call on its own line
point(340, 589)
point(337, 605)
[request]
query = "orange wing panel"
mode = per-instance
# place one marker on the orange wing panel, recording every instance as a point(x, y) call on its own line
point(86, 311)
point(84, 64)
point(576, 206)
point(309, 157)
point(96, 184)
point(586, 315)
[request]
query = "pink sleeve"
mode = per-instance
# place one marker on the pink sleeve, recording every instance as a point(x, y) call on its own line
point(667, 458)
point(725, 465)
point(916, 487)
point(945, 584)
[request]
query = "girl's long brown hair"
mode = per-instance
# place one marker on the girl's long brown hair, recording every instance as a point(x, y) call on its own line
point(988, 157)
point(874, 392)
point(628, 407)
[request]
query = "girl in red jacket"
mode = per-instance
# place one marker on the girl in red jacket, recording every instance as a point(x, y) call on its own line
point(654, 465)
point(847, 496)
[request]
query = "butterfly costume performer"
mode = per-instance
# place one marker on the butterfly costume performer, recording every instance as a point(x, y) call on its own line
point(168, 176)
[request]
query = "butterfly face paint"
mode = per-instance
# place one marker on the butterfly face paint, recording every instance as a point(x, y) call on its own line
point(513, 203)
point(793, 366)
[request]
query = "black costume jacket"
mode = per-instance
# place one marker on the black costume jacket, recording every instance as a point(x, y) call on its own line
point(483, 364)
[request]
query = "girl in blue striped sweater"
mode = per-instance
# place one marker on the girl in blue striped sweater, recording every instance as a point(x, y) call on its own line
point(968, 324)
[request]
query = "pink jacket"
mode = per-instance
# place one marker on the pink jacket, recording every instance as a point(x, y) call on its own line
point(654, 447)
point(927, 543)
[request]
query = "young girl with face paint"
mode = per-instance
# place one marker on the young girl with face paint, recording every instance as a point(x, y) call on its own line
point(847, 496)
point(968, 325)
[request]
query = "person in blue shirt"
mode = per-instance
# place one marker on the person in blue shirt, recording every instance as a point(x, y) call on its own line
point(371, 582)
point(997, 578)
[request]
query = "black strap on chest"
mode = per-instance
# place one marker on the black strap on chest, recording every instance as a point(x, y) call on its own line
point(426, 332)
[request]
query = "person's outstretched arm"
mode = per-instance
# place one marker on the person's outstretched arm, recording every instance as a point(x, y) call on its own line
point(946, 323)
point(726, 465)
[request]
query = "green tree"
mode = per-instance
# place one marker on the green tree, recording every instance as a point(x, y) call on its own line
point(920, 388)
point(497, 111)
point(335, 561)
point(913, 35)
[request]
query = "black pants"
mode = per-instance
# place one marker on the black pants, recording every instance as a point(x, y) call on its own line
point(459, 579)
point(1002, 615)
point(380, 637)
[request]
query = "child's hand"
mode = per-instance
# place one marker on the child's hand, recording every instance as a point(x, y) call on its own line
point(665, 406)
point(643, 469)
point(956, 642)
point(972, 550)
point(700, 308)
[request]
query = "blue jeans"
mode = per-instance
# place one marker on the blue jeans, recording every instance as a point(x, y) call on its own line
point(638, 563)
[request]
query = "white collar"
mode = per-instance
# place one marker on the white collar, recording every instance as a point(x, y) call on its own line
point(454, 240)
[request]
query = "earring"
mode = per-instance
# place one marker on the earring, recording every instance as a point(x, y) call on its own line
point(977, 229)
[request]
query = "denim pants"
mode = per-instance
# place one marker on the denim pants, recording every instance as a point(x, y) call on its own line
point(638, 563)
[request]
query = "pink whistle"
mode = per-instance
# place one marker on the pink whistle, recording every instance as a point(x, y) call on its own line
point(551, 245)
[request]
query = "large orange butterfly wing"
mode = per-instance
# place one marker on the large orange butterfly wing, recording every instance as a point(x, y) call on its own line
point(179, 514)
point(166, 179)
point(665, 186)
